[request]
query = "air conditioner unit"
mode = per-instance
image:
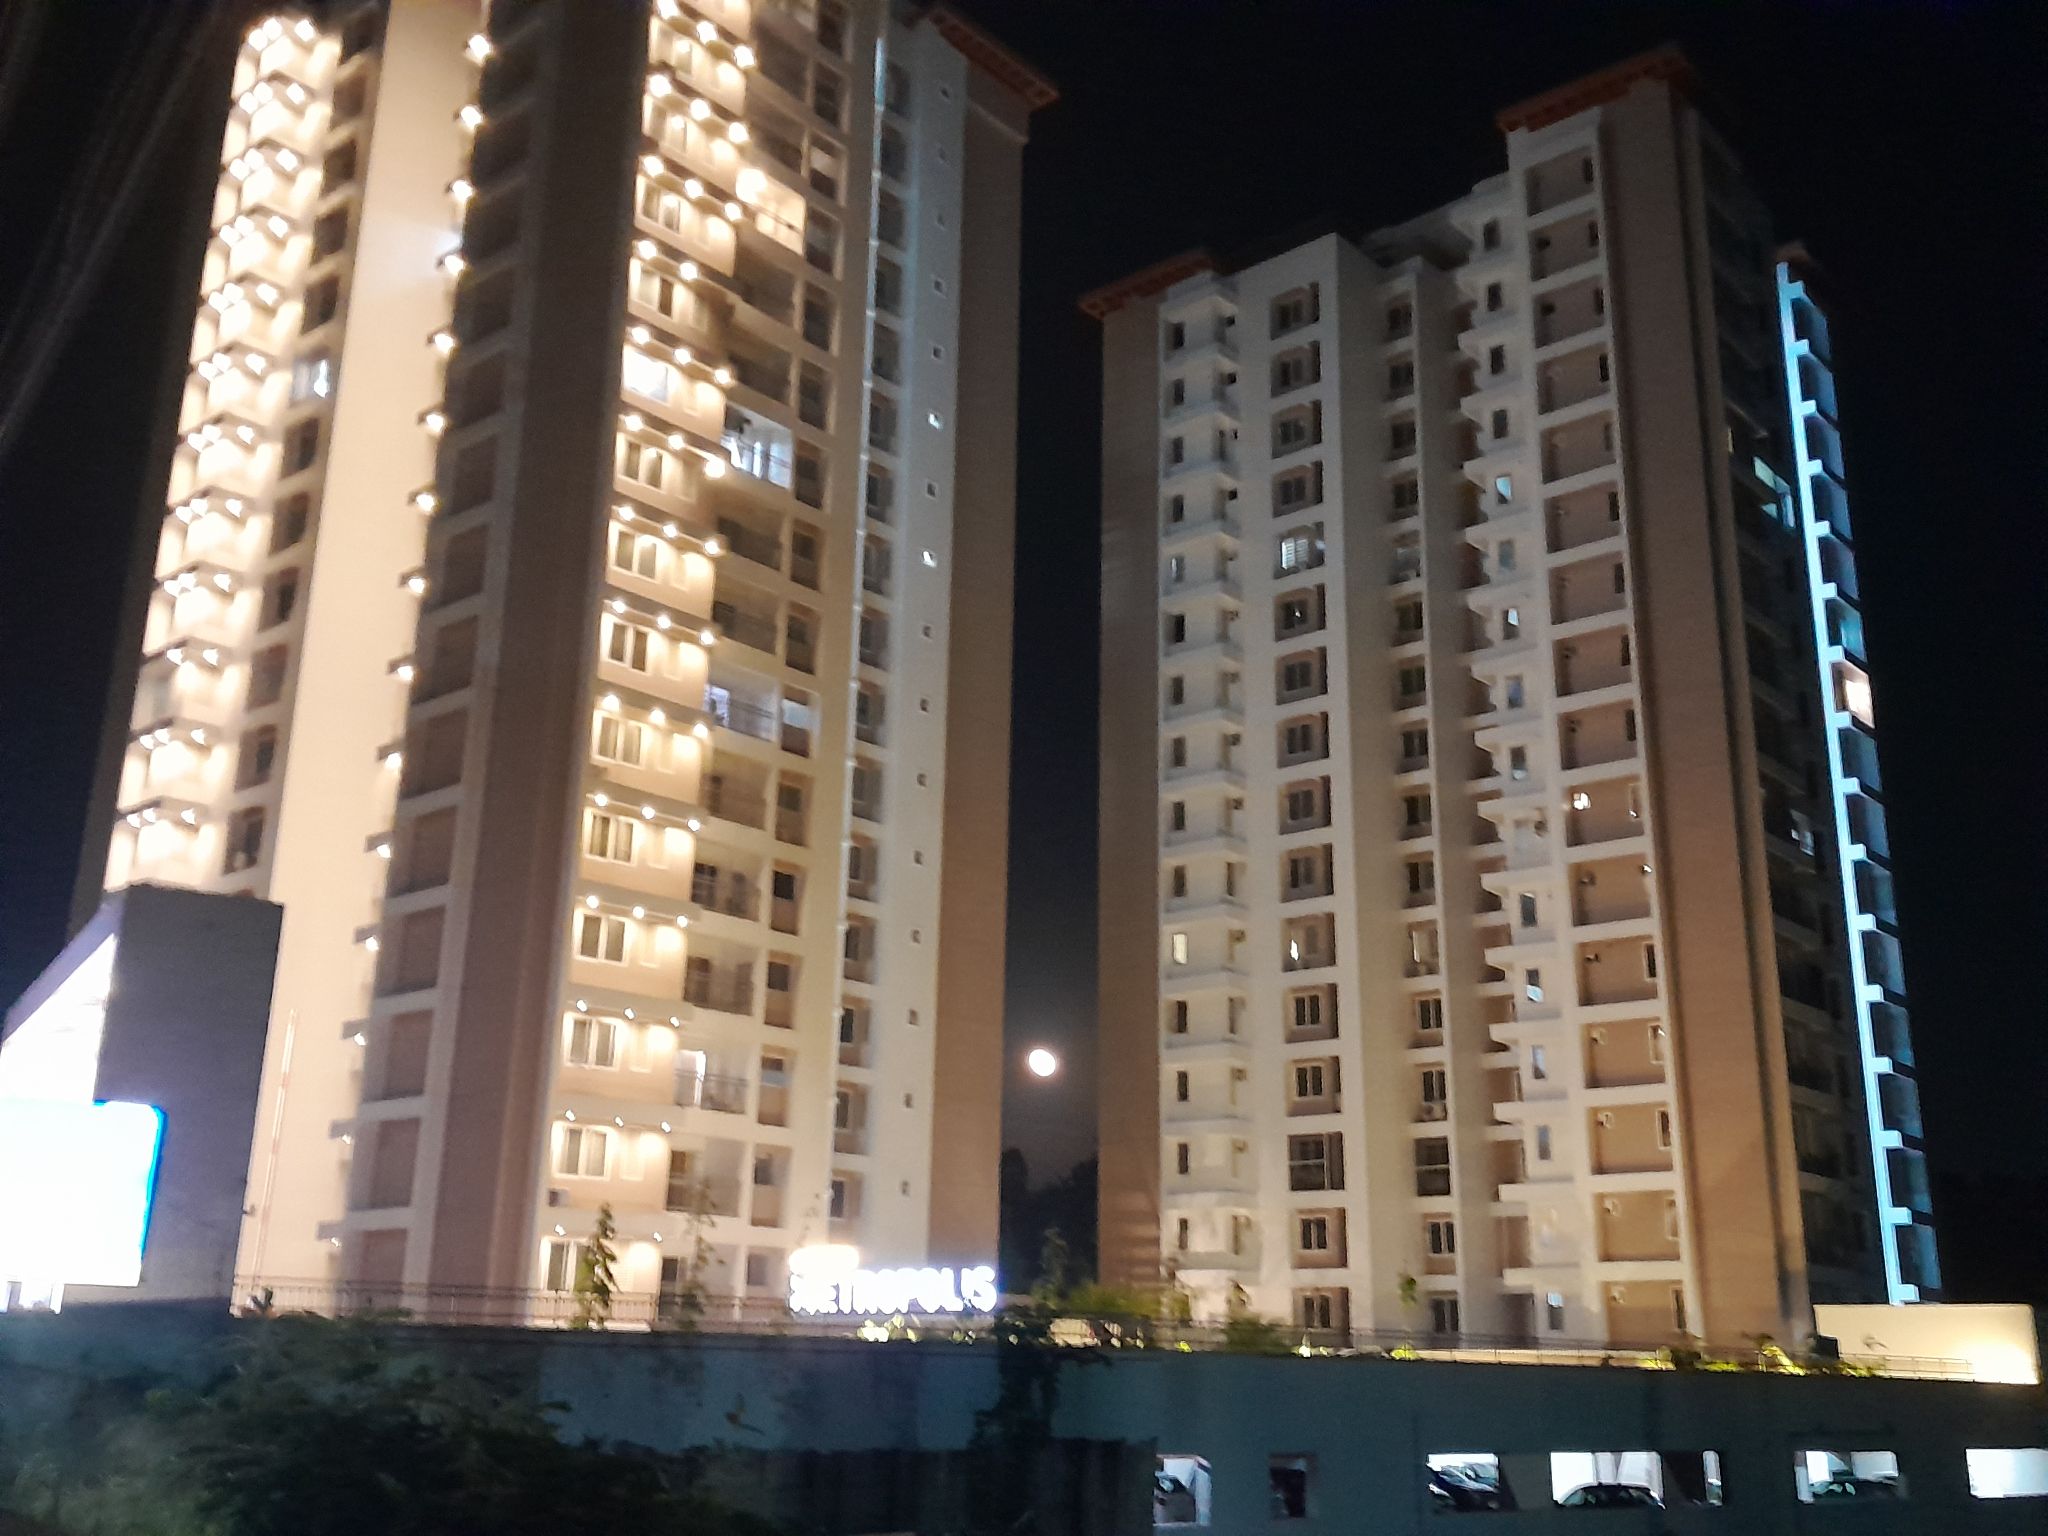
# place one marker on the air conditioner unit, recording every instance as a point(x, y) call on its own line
point(558, 1197)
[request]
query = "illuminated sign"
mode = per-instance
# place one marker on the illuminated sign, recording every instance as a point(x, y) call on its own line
point(75, 1187)
point(826, 1280)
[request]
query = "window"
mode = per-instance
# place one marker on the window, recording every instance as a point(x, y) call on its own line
point(1308, 1011)
point(258, 757)
point(280, 599)
point(611, 837)
point(620, 741)
point(1429, 1015)
point(1435, 1089)
point(1440, 1233)
point(1443, 1314)
point(601, 938)
point(1287, 1480)
point(1315, 1162)
point(1504, 489)
point(1181, 1234)
point(1400, 378)
point(1553, 1311)
point(1182, 1157)
point(1176, 509)
point(1298, 488)
point(1291, 311)
point(1542, 1143)
point(301, 446)
point(1494, 297)
point(1177, 1019)
point(1650, 962)
point(564, 1264)
point(1176, 335)
point(1415, 745)
point(1400, 321)
point(1180, 880)
point(1301, 550)
point(626, 644)
point(1496, 360)
point(1432, 1167)
point(1301, 805)
point(1177, 816)
point(1292, 370)
point(1415, 810)
point(1525, 905)
point(288, 522)
point(1308, 1080)
point(1400, 438)
point(636, 553)
point(312, 377)
point(1664, 1129)
point(1412, 683)
point(583, 1152)
point(1421, 878)
point(1180, 1087)
point(1500, 424)
point(648, 466)
point(1301, 739)
point(1539, 1067)
point(1405, 495)
point(593, 1042)
point(244, 840)
point(1518, 762)
point(1489, 235)
point(1408, 617)
point(1314, 1234)
point(322, 300)
point(1179, 947)
point(1298, 675)
point(646, 376)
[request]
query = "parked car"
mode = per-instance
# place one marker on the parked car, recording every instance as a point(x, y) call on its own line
point(1173, 1502)
point(1846, 1487)
point(1455, 1488)
point(1611, 1496)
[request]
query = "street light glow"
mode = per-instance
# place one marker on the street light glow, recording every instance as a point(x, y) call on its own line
point(1042, 1062)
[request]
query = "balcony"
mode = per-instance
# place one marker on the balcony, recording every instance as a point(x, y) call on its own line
point(759, 447)
point(729, 990)
point(721, 1093)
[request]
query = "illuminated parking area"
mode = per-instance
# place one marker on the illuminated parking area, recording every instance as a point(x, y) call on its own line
point(2017, 1473)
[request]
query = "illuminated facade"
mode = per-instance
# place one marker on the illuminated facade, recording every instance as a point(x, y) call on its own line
point(595, 414)
point(1855, 802)
point(1463, 765)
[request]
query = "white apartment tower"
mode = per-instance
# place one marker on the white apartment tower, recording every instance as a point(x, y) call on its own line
point(1472, 889)
point(597, 414)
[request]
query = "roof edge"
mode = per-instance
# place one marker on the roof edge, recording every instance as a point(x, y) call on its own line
point(994, 59)
point(1148, 282)
point(1667, 63)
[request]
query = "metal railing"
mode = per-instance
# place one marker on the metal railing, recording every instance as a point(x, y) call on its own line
point(770, 1316)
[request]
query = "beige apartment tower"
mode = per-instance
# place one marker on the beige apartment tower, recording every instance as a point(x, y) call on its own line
point(1474, 951)
point(583, 606)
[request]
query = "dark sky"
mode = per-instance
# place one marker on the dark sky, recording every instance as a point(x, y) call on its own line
point(1903, 142)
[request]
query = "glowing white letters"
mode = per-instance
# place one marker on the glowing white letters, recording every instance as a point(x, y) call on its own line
point(826, 1280)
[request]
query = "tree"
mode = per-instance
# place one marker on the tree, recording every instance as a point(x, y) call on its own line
point(325, 1428)
point(683, 1299)
point(597, 1281)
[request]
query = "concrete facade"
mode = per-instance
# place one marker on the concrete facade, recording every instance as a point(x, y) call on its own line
point(598, 451)
point(1501, 979)
point(1361, 1431)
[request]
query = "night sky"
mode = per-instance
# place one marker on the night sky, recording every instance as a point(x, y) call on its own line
point(1902, 142)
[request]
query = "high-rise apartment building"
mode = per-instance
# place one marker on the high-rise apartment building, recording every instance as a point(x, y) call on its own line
point(1468, 769)
point(599, 418)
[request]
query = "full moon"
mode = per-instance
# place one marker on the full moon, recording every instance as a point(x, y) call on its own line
point(1042, 1062)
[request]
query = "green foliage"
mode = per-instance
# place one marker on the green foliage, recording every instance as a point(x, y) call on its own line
point(321, 1428)
point(597, 1281)
point(1246, 1333)
point(683, 1303)
point(1410, 1290)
